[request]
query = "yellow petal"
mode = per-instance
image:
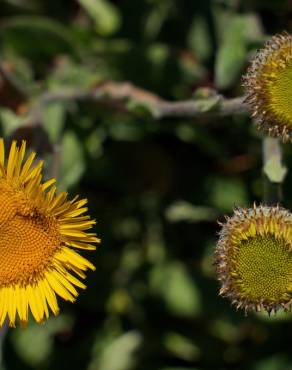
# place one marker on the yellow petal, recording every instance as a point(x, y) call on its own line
point(59, 288)
point(11, 302)
point(50, 296)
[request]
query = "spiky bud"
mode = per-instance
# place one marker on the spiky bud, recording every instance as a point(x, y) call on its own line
point(268, 84)
point(253, 259)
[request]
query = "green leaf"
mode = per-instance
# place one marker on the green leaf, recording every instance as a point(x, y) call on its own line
point(275, 362)
point(199, 38)
point(72, 160)
point(179, 368)
point(157, 17)
point(36, 36)
point(10, 121)
point(40, 338)
point(54, 119)
point(177, 288)
point(68, 74)
point(226, 192)
point(184, 211)
point(119, 354)
point(181, 347)
point(105, 15)
point(232, 53)
point(208, 104)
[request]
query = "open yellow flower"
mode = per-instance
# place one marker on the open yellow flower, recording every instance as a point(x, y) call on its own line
point(39, 233)
point(254, 259)
point(268, 84)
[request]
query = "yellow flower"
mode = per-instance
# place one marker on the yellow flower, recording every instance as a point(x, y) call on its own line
point(268, 85)
point(254, 259)
point(39, 232)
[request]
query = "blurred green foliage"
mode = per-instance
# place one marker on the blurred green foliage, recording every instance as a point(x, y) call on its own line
point(156, 188)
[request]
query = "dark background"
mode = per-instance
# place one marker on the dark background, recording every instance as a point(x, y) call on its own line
point(156, 187)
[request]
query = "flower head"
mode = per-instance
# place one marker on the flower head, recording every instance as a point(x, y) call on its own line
point(268, 83)
point(254, 258)
point(39, 233)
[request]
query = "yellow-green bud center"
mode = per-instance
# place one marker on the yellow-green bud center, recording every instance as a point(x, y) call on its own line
point(279, 89)
point(263, 269)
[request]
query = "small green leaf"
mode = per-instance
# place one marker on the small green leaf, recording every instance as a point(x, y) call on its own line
point(119, 354)
point(232, 54)
point(181, 347)
point(209, 104)
point(199, 38)
point(72, 160)
point(105, 15)
point(10, 121)
point(41, 339)
point(21, 32)
point(54, 119)
point(178, 289)
point(184, 211)
point(226, 192)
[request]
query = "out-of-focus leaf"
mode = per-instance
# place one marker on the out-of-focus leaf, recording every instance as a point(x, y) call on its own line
point(156, 18)
point(22, 32)
point(181, 347)
point(68, 74)
point(179, 368)
point(224, 330)
point(22, 4)
point(54, 119)
point(191, 71)
point(209, 104)
point(186, 132)
point(12, 93)
point(254, 29)
point(199, 39)
point(21, 72)
point(10, 121)
point(35, 343)
point(232, 53)
point(105, 15)
point(119, 354)
point(94, 142)
point(177, 288)
point(119, 302)
point(184, 211)
point(72, 160)
point(276, 362)
point(226, 193)
point(126, 130)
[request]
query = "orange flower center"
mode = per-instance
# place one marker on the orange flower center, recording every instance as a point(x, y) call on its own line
point(28, 240)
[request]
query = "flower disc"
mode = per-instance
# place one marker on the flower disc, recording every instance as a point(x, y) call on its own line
point(254, 259)
point(268, 85)
point(39, 231)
